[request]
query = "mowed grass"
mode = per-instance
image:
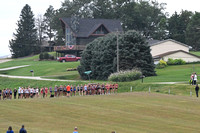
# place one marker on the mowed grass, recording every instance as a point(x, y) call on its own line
point(40, 68)
point(123, 113)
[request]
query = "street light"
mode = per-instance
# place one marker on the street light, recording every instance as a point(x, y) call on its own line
point(117, 50)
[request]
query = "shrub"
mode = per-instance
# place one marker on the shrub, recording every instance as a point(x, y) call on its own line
point(161, 64)
point(41, 56)
point(123, 76)
point(175, 62)
point(46, 55)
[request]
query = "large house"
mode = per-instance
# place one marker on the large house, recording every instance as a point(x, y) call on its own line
point(81, 31)
point(171, 49)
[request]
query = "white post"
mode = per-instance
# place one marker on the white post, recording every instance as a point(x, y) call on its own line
point(131, 89)
point(149, 89)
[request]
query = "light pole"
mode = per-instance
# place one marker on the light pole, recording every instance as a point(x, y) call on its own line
point(117, 51)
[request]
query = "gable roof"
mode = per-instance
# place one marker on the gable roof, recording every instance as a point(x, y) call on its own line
point(172, 52)
point(88, 25)
point(156, 42)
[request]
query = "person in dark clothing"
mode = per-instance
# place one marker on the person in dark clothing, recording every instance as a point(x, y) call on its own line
point(15, 93)
point(197, 90)
point(10, 130)
point(22, 130)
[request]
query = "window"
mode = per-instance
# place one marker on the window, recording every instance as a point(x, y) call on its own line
point(101, 30)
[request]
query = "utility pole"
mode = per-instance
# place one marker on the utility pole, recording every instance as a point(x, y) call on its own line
point(117, 51)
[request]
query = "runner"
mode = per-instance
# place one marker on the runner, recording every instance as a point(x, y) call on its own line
point(68, 90)
point(74, 90)
point(37, 92)
point(46, 91)
point(19, 92)
point(55, 91)
point(71, 90)
point(116, 87)
point(78, 89)
point(15, 93)
point(10, 91)
point(64, 90)
point(85, 89)
point(61, 90)
point(81, 90)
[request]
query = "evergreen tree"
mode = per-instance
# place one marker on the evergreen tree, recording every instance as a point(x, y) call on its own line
point(25, 38)
point(177, 25)
point(100, 55)
point(193, 32)
point(48, 21)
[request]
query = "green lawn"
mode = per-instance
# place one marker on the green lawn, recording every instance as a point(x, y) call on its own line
point(195, 52)
point(41, 68)
point(123, 113)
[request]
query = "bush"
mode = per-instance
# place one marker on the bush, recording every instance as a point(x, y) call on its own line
point(175, 62)
point(41, 56)
point(123, 76)
point(161, 64)
point(46, 55)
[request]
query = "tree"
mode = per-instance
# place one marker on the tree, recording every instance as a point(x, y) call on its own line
point(177, 25)
point(193, 32)
point(40, 29)
point(100, 55)
point(25, 38)
point(48, 22)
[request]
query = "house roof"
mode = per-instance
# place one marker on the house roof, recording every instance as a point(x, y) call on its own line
point(88, 25)
point(172, 52)
point(156, 42)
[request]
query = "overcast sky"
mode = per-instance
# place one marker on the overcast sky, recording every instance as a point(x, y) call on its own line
point(10, 11)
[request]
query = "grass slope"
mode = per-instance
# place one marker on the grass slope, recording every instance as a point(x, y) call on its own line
point(127, 112)
point(41, 68)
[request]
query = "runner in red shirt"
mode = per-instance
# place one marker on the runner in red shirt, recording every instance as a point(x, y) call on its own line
point(116, 87)
point(68, 90)
point(46, 91)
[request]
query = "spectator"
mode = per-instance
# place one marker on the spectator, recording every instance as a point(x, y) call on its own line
point(197, 90)
point(22, 130)
point(10, 130)
point(75, 130)
point(195, 79)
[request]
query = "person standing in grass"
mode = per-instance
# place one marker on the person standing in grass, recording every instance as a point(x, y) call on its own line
point(195, 78)
point(0, 93)
point(81, 89)
point(75, 130)
point(15, 93)
point(22, 130)
point(55, 91)
point(68, 90)
point(197, 90)
point(10, 130)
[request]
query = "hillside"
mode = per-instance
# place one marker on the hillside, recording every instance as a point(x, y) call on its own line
point(127, 112)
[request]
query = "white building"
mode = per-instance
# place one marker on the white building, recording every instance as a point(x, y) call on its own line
point(171, 49)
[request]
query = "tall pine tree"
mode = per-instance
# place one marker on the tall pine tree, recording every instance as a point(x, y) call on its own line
point(25, 38)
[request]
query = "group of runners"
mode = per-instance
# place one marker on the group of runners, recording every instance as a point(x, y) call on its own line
point(62, 90)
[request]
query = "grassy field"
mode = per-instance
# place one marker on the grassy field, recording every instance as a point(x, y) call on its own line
point(41, 68)
point(123, 113)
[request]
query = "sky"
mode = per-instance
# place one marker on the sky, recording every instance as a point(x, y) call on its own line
point(10, 11)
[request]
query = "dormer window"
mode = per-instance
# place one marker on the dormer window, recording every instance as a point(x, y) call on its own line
point(101, 31)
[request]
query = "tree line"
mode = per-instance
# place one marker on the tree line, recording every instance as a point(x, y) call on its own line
point(149, 18)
